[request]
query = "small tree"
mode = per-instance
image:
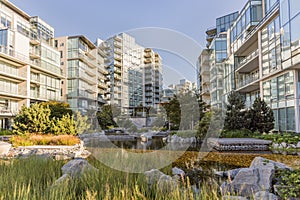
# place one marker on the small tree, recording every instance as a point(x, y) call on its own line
point(235, 116)
point(203, 126)
point(33, 119)
point(262, 118)
point(105, 117)
point(58, 109)
point(64, 125)
point(81, 123)
point(173, 112)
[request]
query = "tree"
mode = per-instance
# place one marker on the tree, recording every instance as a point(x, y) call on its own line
point(262, 118)
point(173, 112)
point(33, 119)
point(81, 123)
point(64, 125)
point(58, 109)
point(203, 126)
point(105, 117)
point(235, 116)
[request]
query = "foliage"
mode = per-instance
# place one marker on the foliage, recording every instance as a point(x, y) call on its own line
point(185, 133)
point(173, 111)
point(235, 119)
point(189, 107)
point(5, 132)
point(58, 109)
point(203, 126)
point(106, 118)
point(262, 118)
point(105, 183)
point(290, 138)
point(34, 139)
point(81, 123)
point(33, 119)
point(64, 125)
point(289, 183)
point(242, 133)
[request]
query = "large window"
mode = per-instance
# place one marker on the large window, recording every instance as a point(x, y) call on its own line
point(270, 40)
point(269, 5)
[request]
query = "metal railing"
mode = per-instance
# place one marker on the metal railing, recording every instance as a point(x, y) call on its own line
point(248, 58)
point(249, 80)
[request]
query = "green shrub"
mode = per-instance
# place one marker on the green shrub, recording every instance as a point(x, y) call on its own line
point(243, 133)
point(289, 183)
point(290, 138)
point(5, 132)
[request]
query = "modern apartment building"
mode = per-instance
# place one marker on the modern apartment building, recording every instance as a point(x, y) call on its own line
point(135, 73)
point(84, 86)
point(204, 75)
point(152, 78)
point(29, 64)
point(263, 57)
point(184, 86)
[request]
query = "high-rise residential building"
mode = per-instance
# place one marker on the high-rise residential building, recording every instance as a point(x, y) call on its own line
point(29, 65)
point(204, 75)
point(217, 44)
point(84, 86)
point(263, 58)
point(184, 86)
point(133, 71)
point(152, 78)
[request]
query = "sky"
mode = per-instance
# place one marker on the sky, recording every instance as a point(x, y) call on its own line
point(175, 28)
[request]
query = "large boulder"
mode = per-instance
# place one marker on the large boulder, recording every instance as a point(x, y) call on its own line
point(245, 183)
point(152, 176)
point(4, 148)
point(258, 177)
point(77, 167)
point(234, 198)
point(228, 174)
point(263, 195)
point(166, 183)
point(177, 171)
point(263, 162)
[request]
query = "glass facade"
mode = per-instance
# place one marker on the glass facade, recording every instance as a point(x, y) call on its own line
point(224, 23)
point(290, 33)
point(249, 17)
point(279, 94)
point(269, 4)
point(271, 49)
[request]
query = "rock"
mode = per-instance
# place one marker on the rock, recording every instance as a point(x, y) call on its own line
point(166, 183)
point(233, 198)
point(275, 146)
point(4, 148)
point(263, 162)
point(245, 183)
point(177, 171)
point(64, 179)
point(75, 168)
point(298, 145)
point(263, 195)
point(153, 176)
point(283, 144)
point(228, 174)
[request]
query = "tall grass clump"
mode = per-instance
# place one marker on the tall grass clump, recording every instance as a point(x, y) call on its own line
point(34, 178)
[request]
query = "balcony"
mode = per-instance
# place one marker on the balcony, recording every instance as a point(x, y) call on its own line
point(118, 38)
point(34, 39)
point(90, 62)
point(249, 63)
point(118, 44)
point(102, 85)
point(249, 84)
point(35, 54)
point(118, 51)
point(15, 56)
point(117, 77)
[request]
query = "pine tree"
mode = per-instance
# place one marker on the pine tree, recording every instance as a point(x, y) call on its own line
point(262, 118)
point(235, 116)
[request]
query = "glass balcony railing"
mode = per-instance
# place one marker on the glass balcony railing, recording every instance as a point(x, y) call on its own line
point(248, 80)
point(247, 59)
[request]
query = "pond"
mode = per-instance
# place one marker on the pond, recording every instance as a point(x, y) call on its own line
point(190, 157)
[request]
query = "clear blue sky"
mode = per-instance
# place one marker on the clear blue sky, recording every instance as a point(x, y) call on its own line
point(102, 19)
